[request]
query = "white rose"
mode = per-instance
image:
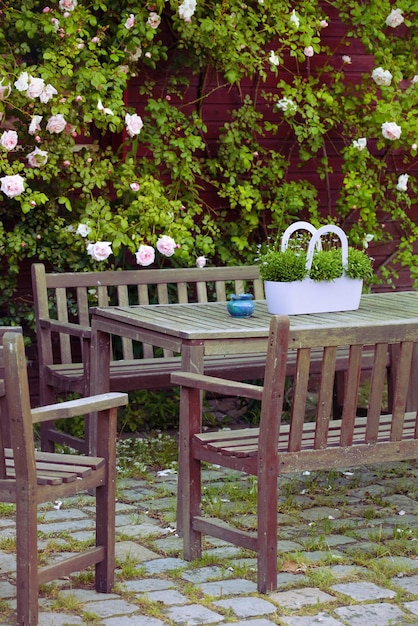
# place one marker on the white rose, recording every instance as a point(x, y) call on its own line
point(360, 144)
point(35, 124)
point(294, 20)
point(104, 109)
point(134, 124)
point(12, 186)
point(145, 255)
point(166, 245)
point(187, 9)
point(83, 230)
point(201, 261)
point(381, 76)
point(35, 87)
point(100, 250)
point(273, 58)
point(391, 130)
point(47, 94)
point(56, 123)
point(402, 182)
point(395, 18)
point(286, 104)
point(22, 82)
point(9, 139)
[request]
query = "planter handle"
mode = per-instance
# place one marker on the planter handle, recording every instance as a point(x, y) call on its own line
point(297, 226)
point(316, 238)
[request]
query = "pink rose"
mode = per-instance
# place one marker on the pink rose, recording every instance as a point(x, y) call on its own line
point(134, 124)
point(67, 5)
point(130, 21)
point(37, 158)
point(12, 186)
point(145, 255)
point(9, 139)
point(395, 18)
point(100, 250)
point(391, 130)
point(166, 245)
point(153, 20)
point(134, 186)
point(4, 90)
point(56, 123)
point(308, 51)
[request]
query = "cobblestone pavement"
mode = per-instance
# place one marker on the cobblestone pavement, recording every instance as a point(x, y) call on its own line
point(347, 556)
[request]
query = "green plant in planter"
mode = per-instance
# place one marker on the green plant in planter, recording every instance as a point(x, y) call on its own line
point(290, 265)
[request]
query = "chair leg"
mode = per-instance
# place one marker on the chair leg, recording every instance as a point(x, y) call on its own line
point(105, 504)
point(267, 532)
point(191, 498)
point(26, 558)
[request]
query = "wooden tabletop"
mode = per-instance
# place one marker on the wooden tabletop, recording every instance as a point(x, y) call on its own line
point(211, 320)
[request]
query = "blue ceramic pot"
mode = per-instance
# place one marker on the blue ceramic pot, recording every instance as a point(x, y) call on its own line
point(241, 305)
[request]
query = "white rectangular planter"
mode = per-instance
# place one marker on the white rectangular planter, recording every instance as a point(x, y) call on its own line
point(309, 296)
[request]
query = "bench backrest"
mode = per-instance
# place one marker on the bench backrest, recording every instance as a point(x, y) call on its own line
point(326, 442)
point(68, 296)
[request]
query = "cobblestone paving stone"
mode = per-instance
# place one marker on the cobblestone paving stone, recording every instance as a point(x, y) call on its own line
point(347, 553)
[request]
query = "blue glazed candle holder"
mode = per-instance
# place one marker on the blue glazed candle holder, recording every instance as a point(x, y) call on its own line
point(241, 305)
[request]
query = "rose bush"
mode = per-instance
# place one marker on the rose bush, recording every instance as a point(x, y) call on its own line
point(85, 172)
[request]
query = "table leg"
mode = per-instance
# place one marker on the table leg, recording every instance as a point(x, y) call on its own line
point(99, 378)
point(412, 400)
point(191, 361)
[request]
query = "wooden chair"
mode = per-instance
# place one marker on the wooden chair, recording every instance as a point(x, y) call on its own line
point(28, 478)
point(277, 447)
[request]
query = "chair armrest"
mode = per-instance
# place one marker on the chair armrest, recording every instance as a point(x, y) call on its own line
point(66, 327)
point(217, 385)
point(81, 406)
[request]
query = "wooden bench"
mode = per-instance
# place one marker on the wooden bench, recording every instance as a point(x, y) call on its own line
point(28, 478)
point(62, 302)
point(277, 447)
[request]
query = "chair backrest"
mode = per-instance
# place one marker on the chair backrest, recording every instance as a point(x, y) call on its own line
point(19, 409)
point(324, 437)
point(17, 414)
point(68, 296)
point(4, 422)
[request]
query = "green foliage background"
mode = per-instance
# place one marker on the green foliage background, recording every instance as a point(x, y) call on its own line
point(92, 55)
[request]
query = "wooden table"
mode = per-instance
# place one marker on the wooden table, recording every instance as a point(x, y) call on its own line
point(195, 330)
